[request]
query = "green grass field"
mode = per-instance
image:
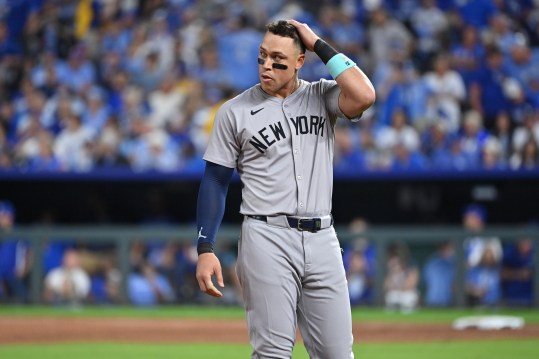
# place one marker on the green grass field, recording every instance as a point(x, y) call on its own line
point(500, 349)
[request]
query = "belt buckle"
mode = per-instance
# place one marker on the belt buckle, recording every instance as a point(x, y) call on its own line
point(317, 224)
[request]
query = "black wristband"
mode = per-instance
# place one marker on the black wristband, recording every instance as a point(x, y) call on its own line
point(205, 247)
point(324, 51)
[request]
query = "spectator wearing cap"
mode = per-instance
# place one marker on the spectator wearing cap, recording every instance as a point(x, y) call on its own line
point(15, 259)
point(473, 220)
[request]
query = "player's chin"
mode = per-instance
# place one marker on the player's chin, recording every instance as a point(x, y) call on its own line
point(267, 86)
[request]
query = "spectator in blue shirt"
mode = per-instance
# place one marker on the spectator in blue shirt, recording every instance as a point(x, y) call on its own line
point(473, 137)
point(475, 12)
point(439, 276)
point(147, 287)
point(467, 55)
point(14, 259)
point(487, 92)
point(238, 50)
point(483, 280)
point(517, 272)
point(523, 65)
point(80, 72)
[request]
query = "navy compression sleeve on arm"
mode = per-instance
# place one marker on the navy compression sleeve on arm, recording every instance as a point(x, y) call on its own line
point(211, 204)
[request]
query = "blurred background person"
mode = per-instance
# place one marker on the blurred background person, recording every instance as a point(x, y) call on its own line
point(68, 284)
point(147, 287)
point(517, 272)
point(473, 220)
point(439, 276)
point(401, 281)
point(15, 259)
point(483, 287)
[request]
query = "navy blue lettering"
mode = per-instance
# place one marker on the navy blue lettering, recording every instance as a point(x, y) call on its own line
point(258, 145)
point(303, 126)
point(321, 126)
point(265, 137)
point(314, 124)
point(278, 131)
point(296, 124)
point(263, 144)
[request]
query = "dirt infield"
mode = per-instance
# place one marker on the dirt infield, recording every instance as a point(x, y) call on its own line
point(59, 329)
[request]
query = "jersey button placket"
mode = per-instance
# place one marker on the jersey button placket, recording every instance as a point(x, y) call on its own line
point(296, 158)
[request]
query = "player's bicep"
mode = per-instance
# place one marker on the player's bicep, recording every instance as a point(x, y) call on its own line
point(338, 106)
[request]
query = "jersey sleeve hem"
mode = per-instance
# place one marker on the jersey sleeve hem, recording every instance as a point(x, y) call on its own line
point(219, 161)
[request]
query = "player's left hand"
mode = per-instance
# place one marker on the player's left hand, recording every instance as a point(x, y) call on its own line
point(208, 265)
point(305, 33)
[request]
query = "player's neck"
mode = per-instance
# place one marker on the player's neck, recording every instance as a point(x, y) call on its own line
point(288, 89)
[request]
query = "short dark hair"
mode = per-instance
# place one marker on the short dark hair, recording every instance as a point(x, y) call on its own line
point(284, 29)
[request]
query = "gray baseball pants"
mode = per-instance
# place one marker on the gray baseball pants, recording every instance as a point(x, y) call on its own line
point(289, 277)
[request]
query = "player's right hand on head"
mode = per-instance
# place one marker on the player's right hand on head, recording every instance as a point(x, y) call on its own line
point(208, 265)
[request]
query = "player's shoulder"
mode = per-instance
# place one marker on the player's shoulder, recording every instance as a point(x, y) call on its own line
point(245, 99)
point(320, 86)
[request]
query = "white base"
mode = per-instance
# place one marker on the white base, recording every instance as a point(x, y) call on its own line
point(489, 322)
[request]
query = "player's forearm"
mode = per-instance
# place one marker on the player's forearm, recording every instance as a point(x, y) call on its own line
point(211, 204)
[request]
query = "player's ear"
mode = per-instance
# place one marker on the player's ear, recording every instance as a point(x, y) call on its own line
point(300, 61)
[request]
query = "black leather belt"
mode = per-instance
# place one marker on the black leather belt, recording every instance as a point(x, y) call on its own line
point(301, 224)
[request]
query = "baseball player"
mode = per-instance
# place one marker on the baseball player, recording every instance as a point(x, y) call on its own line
point(279, 135)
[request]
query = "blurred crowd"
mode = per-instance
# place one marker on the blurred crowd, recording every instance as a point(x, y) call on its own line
point(80, 272)
point(77, 272)
point(496, 273)
point(107, 84)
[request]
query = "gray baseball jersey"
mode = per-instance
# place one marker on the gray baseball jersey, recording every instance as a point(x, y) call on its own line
point(283, 151)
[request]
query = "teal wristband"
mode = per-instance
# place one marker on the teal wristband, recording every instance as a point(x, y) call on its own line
point(338, 63)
